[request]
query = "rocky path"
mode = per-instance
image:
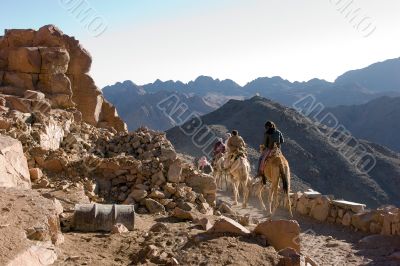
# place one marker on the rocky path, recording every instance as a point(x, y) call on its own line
point(331, 244)
point(174, 243)
point(326, 244)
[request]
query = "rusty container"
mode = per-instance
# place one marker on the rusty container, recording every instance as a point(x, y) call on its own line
point(102, 217)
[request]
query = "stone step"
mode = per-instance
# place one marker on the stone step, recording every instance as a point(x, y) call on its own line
point(355, 207)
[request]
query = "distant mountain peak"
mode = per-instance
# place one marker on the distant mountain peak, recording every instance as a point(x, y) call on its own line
point(205, 78)
point(378, 77)
point(126, 86)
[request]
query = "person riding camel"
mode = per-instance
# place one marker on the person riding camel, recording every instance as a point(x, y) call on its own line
point(227, 136)
point(272, 136)
point(236, 144)
point(204, 165)
point(218, 150)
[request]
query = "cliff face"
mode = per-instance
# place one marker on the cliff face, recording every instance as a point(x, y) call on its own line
point(55, 64)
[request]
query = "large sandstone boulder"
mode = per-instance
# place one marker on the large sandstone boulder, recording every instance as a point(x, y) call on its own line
point(186, 214)
point(19, 37)
point(54, 84)
point(175, 172)
point(28, 237)
point(154, 206)
point(57, 65)
point(48, 35)
point(54, 60)
point(280, 233)
point(205, 184)
point(109, 117)
point(24, 59)
point(81, 60)
point(320, 209)
point(227, 225)
point(89, 100)
point(20, 80)
point(14, 170)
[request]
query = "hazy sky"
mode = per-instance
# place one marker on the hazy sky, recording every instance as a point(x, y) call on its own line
point(237, 39)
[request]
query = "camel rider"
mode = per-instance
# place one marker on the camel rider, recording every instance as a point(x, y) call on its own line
point(227, 136)
point(219, 150)
point(236, 144)
point(271, 136)
point(204, 165)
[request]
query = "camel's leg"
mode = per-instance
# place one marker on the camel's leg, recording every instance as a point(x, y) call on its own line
point(273, 200)
point(245, 194)
point(230, 186)
point(219, 179)
point(275, 193)
point(238, 189)
point(259, 195)
point(235, 192)
point(223, 180)
point(227, 182)
point(270, 198)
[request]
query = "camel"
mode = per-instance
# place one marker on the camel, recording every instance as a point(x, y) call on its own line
point(239, 170)
point(220, 172)
point(276, 167)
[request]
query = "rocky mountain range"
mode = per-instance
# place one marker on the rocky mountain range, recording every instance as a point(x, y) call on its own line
point(312, 158)
point(378, 77)
point(376, 121)
point(138, 107)
point(207, 94)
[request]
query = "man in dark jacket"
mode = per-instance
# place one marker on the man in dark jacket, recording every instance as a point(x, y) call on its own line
point(271, 136)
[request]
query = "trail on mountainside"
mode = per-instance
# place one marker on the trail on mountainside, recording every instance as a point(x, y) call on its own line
point(328, 244)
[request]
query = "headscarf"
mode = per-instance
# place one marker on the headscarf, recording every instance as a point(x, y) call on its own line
point(203, 162)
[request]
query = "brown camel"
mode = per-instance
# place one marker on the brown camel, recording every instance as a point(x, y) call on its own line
point(239, 172)
point(276, 167)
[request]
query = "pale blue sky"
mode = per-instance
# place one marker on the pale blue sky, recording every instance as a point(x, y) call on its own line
point(237, 39)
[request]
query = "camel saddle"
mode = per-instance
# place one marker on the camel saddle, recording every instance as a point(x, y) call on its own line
point(237, 155)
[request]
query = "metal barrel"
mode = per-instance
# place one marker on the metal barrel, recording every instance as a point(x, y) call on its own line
point(102, 217)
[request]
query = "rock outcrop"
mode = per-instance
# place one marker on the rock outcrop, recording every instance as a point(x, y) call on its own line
point(13, 165)
point(30, 228)
point(140, 167)
point(280, 233)
point(151, 173)
point(227, 225)
point(55, 64)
